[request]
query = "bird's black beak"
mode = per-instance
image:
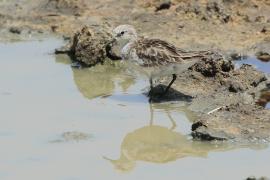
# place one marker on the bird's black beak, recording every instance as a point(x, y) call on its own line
point(118, 35)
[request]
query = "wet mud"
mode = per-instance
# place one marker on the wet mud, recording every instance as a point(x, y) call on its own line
point(230, 26)
point(227, 100)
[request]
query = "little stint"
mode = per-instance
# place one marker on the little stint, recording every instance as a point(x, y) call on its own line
point(162, 57)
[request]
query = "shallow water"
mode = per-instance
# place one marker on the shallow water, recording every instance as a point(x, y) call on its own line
point(64, 123)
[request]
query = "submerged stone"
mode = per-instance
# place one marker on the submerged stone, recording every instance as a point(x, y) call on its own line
point(263, 50)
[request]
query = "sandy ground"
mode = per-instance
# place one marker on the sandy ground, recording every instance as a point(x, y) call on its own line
point(225, 25)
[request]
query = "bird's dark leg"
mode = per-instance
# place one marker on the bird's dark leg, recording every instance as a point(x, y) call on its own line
point(168, 87)
point(172, 121)
point(151, 88)
point(151, 114)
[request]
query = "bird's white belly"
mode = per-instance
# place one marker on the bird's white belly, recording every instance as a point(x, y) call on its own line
point(160, 71)
point(170, 69)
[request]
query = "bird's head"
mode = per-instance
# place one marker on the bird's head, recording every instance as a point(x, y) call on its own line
point(124, 34)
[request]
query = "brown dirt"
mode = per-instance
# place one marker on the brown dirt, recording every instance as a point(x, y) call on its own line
point(89, 45)
point(225, 98)
point(231, 26)
point(238, 122)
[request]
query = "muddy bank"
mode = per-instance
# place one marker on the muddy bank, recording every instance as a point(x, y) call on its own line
point(238, 122)
point(230, 26)
point(226, 98)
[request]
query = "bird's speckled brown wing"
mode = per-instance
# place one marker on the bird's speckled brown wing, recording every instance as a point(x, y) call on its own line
point(155, 52)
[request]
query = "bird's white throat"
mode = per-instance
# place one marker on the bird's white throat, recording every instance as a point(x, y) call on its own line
point(125, 50)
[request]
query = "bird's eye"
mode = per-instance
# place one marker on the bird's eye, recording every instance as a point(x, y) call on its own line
point(122, 32)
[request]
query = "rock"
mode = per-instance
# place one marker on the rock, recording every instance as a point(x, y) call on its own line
point(63, 50)
point(239, 122)
point(235, 86)
point(15, 30)
point(263, 56)
point(235, 56)
point(262, 50)
point(89, 45)
point(264, 98)
point(163, 5)
point(265, 29)
point(54, 28)
point(210, 66)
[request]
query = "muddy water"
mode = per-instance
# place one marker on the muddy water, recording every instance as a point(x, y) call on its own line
point(64, 123)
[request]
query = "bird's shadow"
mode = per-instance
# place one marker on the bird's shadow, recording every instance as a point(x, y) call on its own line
point(157, 95)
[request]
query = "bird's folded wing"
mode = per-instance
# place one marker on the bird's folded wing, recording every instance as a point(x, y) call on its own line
point(155, 52)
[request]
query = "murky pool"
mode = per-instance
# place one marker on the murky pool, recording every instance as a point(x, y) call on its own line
point(79, 124)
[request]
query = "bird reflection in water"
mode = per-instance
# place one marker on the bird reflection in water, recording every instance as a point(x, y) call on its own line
point(158, 144)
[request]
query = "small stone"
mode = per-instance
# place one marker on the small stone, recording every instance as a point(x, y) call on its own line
point(90, 43)
point(251, 178)
point(163, 5)
point(265, 30)
point(66, 37)
point(237, 56)
point(15, 30)
point(62, 50)
point(263, 56)
point(54, 28)
point(260, 19)
point(181, 26)
point(235, 86)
